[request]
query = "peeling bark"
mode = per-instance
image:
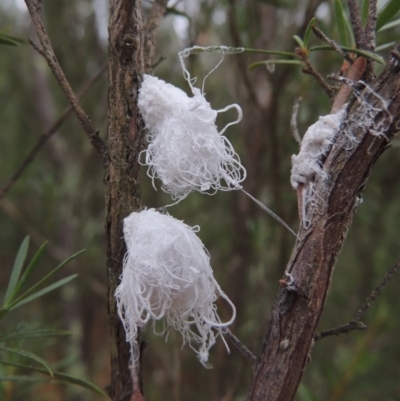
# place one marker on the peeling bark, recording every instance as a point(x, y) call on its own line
point(298, 308)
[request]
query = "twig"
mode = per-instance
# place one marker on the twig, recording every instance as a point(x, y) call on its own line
point(153, 22)
point(241, 61)
point(46, 50)
point(356, 323)
point(356, 24)
point(318, 77)
point(370, 38)
point(370, 26)
point(239, 345)
point(46, 136)
point(332, 43)
point(293, 120)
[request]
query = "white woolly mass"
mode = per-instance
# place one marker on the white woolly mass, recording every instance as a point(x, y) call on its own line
point(306, 165)
point(167, 275)
point(186, 151)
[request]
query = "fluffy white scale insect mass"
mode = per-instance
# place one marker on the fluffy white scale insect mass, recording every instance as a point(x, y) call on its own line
point(186, 151)
point(306, 165)
point(167, 275)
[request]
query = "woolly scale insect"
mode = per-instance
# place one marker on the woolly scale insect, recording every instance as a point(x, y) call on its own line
point(167, 276)
point(186, 151)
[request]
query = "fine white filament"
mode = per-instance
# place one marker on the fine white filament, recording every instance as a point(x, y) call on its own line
point(167, 275)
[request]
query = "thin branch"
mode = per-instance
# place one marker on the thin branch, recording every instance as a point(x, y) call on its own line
point(153, 22)
point(332, 43)
point(355, 18)
point(239, 345)
point(370, 26)
point(318, 77)
point(241, 60)
point(47, 135)
point(293, 120)
point(46, 50)
point(357, 324)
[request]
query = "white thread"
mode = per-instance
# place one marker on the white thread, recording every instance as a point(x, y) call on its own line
point(167, 275)
point(186, 151)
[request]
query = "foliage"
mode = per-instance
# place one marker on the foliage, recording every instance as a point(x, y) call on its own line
point(15, 298)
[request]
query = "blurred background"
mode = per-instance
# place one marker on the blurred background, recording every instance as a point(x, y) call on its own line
point(60, 198)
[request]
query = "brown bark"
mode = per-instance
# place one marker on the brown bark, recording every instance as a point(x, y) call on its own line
point(123, 173)
point(298, 308)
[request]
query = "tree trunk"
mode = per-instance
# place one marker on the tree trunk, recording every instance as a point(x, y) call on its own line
point(298, 307)
point(123, 172)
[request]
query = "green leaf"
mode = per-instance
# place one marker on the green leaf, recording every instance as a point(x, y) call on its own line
point(273, 52)
point(384, 46)
point(26, 298)
point(28, 271)
point(308, 32)
point(390, 25)
point(269, 62)
point(29, 355)
point(61, 376)
point(39, 283)
point(387, 13)
point(16, 271)
point(365, 53)
point(341, 23)
point(22, 379)
point(299, 41)
point(33, 333)
point(8, 42)
point(3, 312)
point(364, 11)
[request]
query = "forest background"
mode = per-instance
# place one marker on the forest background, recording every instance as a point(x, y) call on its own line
point(60, 198)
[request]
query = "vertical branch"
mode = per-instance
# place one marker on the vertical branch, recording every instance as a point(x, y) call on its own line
point(153, 22)
point(356, 23)
point(122, 178)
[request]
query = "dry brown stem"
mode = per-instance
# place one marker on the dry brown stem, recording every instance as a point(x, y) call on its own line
point(46, 50)
point(47, 135)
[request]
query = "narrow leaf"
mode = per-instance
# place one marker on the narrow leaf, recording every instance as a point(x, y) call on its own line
point(308, 32)
point(16, 271)
point(299, 41)
point(365, 53)
point(22, 379)
point(273, 52)
point(269, 62)
point(28, 271)
point(341, 23)
point(26, 298)
point(8, 42)
point(390, 25)
point(34, 333)
point(387, 13)
point(385, 46)
point(45, 278)
point(61, 376)
point(29, 355)
point(364, 11)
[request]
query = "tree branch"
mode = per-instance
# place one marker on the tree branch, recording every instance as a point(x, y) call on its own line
point(372, 120)
point(356, 323)
point(153, 22)
point(239, 345)
point(46, 50)
point(47, 135)
point(332, 43)
point(355, 18)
